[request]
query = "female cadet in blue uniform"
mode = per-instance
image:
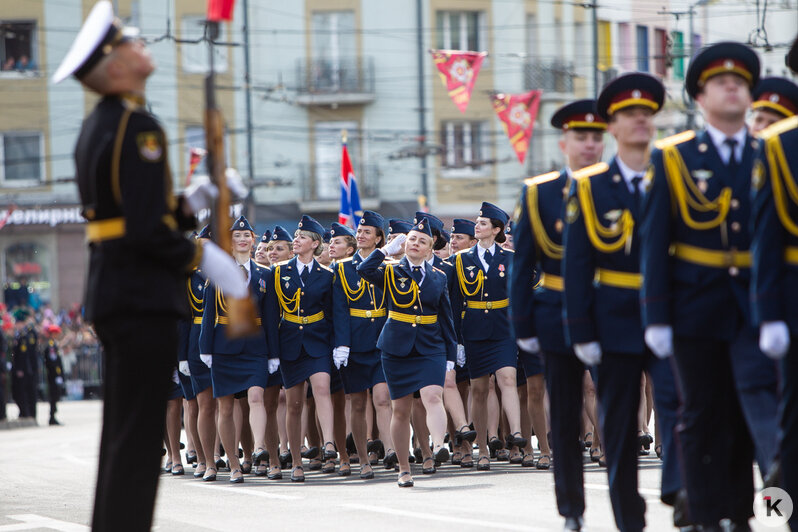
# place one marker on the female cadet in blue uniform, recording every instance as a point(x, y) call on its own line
point(261, 254)
point(601, 271)
point(536, 310)
point(481, 290)
point(418, 342)
point(774, 246)
point(359, 315)
point(241, 364)
point(303, 294)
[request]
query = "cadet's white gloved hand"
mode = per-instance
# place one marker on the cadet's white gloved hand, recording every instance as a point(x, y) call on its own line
point(449, 365)
point(175, 377)
point(589, 353)
point(395, 246)
point(530, 345)
point(341, 356)
point(235, 184)
point(774, 339)
point(183, 367)
point(659, 338)
point(274, 364)
point(223, 271)
point(200, 194)
point(461, 358)
point(207, 359)
point(59, 380)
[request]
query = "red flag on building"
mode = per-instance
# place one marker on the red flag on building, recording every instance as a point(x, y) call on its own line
point(219, 10)
point(517, 113)
point(196, 157)
point(458, 71)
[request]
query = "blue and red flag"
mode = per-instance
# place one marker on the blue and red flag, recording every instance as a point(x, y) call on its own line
point(350, 211)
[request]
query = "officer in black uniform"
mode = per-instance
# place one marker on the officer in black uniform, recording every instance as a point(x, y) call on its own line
point(23, 363)
point(138, 265)
point(696, 270)
point(55, 370)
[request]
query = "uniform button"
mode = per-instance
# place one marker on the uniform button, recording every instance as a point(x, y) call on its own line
point(301, 311)
point(486, 311)
point(734, 271)
point(415, 307)
point(372, 320)
point(301, 327)
point(485, 294)
point(412, 324)
point(735, 204)
point(303, 293)
point(735, 226)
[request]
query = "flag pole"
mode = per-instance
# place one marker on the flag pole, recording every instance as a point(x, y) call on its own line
point(343, 136)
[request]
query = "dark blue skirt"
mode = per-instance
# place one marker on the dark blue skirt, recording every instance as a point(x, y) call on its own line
point(175, 391)
point(520, 374)
point(532, 363)
point(231, 374)
point(362, 371)
point(413, 372)
point(487, 356)
point(297, 371)
point(200, 374)
point(460, 373)
point(187, 386)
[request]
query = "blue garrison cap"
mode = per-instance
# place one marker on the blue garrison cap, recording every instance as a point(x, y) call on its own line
point(242, 224)
point(423, 226)
point(398, 226)
point(373, 219)
point(267, 236)
point(463, 226)
point(434, 221)
point(205, 232)
point(489, 210)
point(337, 229)
point(308, 223)
point(281, 234)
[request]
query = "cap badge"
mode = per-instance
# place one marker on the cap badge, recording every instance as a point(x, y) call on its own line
point(774, 98)
point(636, 93)
point(589, 117)
point(240, 224)
point(728, 64)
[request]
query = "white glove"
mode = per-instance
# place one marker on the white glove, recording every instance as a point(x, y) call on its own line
point(530, 345)
point(236, 185)
point(206, 359)
point(589, 353)
point(340, 356)
point(774, 339)
point(59, 380)
point(175, 377)
point(395, 246)
point(183, 367)
point(201, 194)
point(659, 338)
point(223, 271)
point(449, 365)
point(461, 358)
point(274, 364)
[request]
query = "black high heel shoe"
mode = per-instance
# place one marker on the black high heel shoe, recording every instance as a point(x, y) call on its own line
point(295, 477)
point(328, 454)
point(405, 483)
point(517, 441)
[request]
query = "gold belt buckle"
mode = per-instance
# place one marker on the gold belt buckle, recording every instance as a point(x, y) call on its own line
point(368, 313)
point(418, 319)
point(304, 320)
point(489, 304)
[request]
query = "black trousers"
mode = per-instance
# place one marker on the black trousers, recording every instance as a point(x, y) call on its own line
point(564, 381)
point(3, 377)
point(789, 425)
point(19, 392)
point(717, 452)
point(139, 354)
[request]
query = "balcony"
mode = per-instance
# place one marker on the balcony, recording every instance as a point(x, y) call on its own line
point(549, 76)
point(333, 82)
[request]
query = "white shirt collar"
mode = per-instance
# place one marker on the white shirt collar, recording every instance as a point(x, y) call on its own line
point(628, 174)
point(301, 265)
point(481, 251)
point(431, 260)
point(719, 137)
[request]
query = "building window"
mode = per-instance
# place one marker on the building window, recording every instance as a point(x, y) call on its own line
point(18, 46)
point(679, 53)
point(463, 148)
point(22, 158)
point(626, 50)
point(661, 53)
point(195, 55)
point(327, 169)
point(335, 65)
point(642, 48)
point(604, 45)
point(459, 30)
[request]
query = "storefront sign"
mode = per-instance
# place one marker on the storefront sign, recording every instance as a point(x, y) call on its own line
point(42, 216)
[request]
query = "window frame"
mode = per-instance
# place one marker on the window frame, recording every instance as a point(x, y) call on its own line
point(449, 149)
point(444, 38)
point(12, 183)
point(34, 51)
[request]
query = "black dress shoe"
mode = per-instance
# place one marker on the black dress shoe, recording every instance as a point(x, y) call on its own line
point(182, 445)
point(375, 446)
point(274, 474)
point(246, 467)
point(191, 458)
point(220, 464)
point(328, 454)
point(240, 453)
point(313, 452)
point(494, 444)
point(285, 460)
point(408, 482)
point(367, 475)
point(236, 480)
point(390, 460)
point(441, 455)
point(574, 523)
point(428, 467)
point(483, 463)
point(464, 435)
point(261, 455)
point(680, 515)
point(54, 421)
point(351, 448)
point(417, 455)
point(295, 477)
point(517, 440)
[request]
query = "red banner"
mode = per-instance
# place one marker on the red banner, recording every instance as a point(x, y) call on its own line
point(219, 10)
point(197, 155)
point(517, 113)
point(458, 71)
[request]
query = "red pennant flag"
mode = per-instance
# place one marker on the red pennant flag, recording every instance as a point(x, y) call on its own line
point(219, 10)
point(458, 71)
point(7, 215)
point(517, 113)
point(197, 155)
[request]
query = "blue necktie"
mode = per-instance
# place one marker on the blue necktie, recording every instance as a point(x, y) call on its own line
point(733, 163)
point(304, 275)
point(416, 273)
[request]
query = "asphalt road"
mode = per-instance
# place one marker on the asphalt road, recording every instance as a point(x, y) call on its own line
point(47, 476)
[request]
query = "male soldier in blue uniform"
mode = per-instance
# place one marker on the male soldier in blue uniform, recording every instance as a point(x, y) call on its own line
point(138, 263)
point(602, 280)
point(536, 311)
point(695, 263)
point(774, 99)
point(774, 248)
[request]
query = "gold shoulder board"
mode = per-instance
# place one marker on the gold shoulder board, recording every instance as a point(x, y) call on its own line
point(782, 126)
point(543, 178)
point(673, 140)
point(590, 171)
